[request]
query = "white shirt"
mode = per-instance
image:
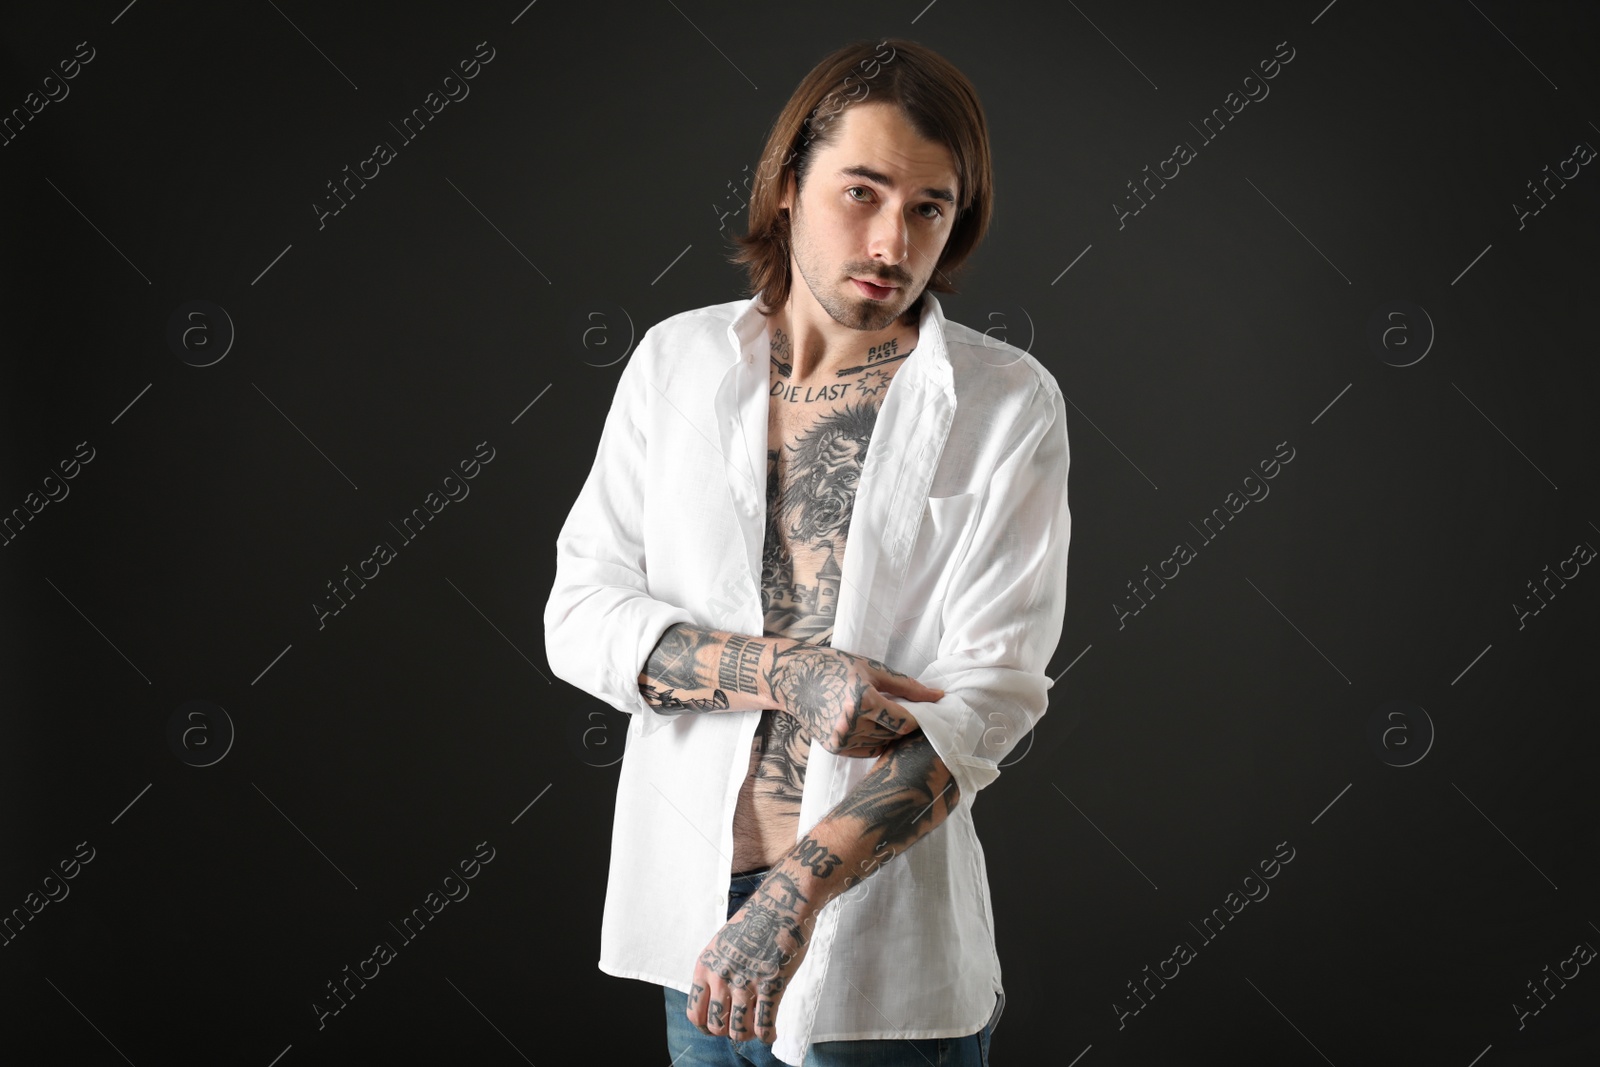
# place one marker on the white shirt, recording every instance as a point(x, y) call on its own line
point(955, 573)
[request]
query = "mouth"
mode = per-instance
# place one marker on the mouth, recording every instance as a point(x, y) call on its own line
point(874, 290)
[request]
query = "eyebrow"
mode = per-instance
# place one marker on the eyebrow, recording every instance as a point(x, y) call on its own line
point(861, 170)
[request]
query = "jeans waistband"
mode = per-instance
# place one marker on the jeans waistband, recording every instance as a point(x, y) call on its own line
point(742, 886)
point(748, 880)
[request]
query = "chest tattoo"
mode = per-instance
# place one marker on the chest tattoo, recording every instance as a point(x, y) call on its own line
point(818, 438)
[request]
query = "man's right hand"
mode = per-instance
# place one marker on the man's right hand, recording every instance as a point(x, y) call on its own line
point(844, 701)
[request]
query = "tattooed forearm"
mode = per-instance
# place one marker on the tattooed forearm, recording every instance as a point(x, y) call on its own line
point(901, 794)
point(741, 662)
point(815, 857)
point(669, 701)
point(675, 660)
point(762, 946)
point(908, 793)
point(693, 668)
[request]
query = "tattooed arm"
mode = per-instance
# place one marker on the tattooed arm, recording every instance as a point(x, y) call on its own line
point(741, 976)
point(908, 793)
point(843, 700)
point(696, 669)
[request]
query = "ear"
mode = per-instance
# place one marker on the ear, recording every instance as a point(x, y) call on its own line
point(786, 199)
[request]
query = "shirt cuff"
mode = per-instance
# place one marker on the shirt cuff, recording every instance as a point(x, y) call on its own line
point(955, 732)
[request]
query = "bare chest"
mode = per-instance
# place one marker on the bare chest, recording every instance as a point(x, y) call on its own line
point(817, 442)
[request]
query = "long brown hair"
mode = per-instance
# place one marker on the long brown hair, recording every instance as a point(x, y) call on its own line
point(934, 97)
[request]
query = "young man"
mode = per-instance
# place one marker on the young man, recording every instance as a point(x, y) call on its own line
point(803, 503)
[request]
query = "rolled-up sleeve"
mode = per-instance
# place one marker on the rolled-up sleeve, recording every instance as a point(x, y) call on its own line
point(1004, 607)
point(600, 623)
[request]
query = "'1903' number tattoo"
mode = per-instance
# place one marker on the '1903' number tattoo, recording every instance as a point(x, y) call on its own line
point(815, 857)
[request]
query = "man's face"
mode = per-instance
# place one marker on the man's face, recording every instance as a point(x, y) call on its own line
point(877, 204)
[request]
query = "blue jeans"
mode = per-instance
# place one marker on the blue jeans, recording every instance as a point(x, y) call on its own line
point(688, 1047)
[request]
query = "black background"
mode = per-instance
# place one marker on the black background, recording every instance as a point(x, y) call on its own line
point(455, 301)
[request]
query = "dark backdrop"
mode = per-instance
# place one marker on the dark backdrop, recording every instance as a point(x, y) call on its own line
point(1383, 667)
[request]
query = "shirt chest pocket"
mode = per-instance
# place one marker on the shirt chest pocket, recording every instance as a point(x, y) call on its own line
point(947, 525)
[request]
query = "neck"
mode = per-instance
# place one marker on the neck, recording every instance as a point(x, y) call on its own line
point(811, 348)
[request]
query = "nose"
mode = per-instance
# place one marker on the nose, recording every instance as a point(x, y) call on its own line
point(889, 241)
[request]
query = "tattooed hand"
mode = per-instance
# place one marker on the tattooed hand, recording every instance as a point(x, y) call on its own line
point(843, 699)
point(743, 973)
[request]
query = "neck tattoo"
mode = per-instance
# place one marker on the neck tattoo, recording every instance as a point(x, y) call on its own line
point(782, 355)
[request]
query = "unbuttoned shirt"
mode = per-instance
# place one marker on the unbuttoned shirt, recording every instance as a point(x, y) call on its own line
point(955, 573)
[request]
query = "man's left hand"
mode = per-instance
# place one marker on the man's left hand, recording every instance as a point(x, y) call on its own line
point(744, 971)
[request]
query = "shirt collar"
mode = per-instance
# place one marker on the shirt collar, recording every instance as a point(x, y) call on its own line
point(931, 355)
